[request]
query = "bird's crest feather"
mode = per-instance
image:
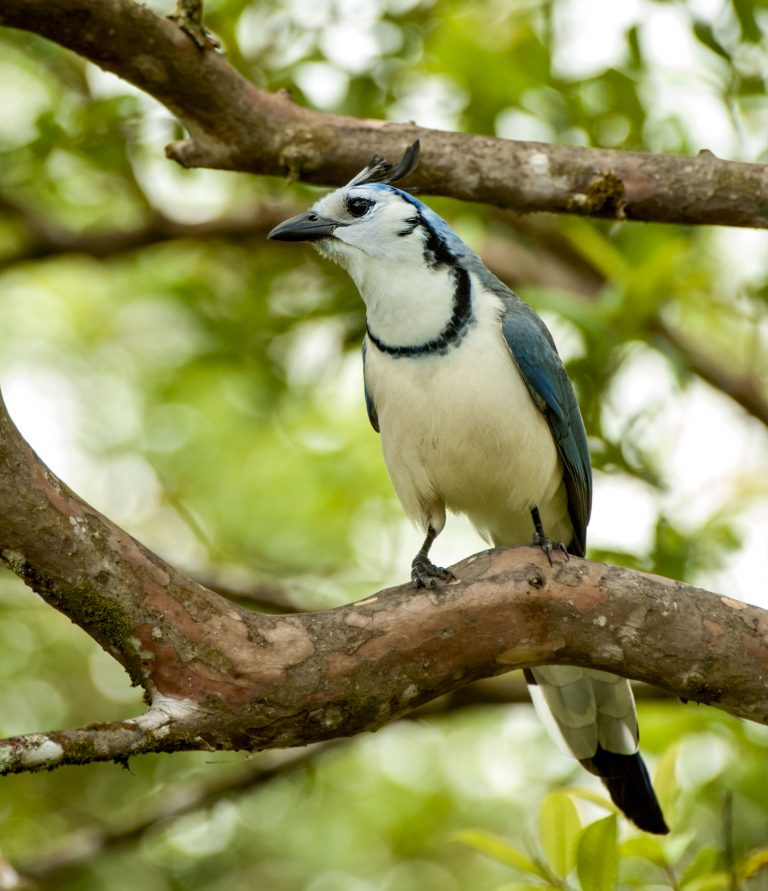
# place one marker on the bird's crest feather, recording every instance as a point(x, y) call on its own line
point(380, 171)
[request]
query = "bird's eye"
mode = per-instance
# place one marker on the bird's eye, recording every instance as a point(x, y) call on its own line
point(358, 207)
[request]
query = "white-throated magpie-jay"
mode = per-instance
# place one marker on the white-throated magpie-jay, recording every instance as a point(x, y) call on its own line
point(476, 414)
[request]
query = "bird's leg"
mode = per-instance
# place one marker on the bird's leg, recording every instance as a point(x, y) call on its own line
point(540, 539)
point(423, 571)
point(189, 17)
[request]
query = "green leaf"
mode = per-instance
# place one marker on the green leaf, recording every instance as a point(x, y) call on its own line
point(678, 843)
point(706, 35)
point(559, 830)
point(752, 864)
point(703, 864)
point(750, 28)
point(597, 858)
point(593, 797)
point(523, 886)
point(646, 846)
point(597, 249)
point(665, 781)
point(719, 881)
point(492, 846)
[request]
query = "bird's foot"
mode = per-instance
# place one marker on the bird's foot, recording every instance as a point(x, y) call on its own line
point(540, 540)
point(424, 573)
point(188, 16)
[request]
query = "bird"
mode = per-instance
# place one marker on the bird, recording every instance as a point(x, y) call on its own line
point(477, 415)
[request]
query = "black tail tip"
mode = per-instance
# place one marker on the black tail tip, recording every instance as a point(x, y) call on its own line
point(626, 778)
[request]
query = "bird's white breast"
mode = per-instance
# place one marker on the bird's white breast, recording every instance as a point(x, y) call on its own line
point(460, 430)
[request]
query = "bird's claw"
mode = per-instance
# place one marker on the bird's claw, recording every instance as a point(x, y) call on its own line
point(189, 17)
point(201, 36)
point(549, 546)
point(424, 574)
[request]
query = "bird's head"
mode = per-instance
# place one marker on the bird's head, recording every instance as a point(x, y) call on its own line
point(369, 220)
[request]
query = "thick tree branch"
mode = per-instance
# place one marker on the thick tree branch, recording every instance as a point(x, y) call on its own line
point(220, 677)
point(235, 126)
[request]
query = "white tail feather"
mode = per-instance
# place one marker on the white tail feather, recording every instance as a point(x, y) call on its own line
point(581, 708)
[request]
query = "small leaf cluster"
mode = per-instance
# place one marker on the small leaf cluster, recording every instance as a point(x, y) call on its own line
point(576, 855)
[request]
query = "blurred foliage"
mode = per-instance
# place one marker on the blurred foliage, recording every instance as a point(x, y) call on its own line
point(206, 394)
point(569, 853)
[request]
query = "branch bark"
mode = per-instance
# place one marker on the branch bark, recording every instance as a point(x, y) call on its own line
point(218, 676)
point(233, 125)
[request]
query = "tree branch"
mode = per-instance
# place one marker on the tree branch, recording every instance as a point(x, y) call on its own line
point(44, 240)
point(80, 847)
point(553, 269)
point(745, 389)
point(233, 125)
point(83, 845)
point(218, 676)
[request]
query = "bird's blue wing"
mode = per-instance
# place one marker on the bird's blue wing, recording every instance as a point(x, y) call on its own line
point(536, 357)
point(372, 416)
point(592, 712)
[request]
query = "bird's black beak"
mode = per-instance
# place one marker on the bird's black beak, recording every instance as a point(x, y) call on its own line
point(304, 227)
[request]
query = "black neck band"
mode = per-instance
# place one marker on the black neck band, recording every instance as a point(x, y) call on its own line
point(451, 335)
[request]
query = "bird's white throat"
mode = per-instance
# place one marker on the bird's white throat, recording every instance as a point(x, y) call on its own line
point(406, 306)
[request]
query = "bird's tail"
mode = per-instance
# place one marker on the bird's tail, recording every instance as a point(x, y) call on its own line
point(591, 716)
point(626, 779)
